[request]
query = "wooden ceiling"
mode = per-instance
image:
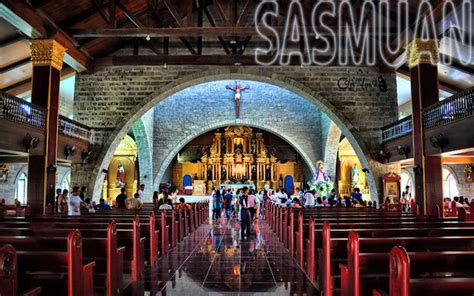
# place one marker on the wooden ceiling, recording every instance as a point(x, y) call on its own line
point(220, 32)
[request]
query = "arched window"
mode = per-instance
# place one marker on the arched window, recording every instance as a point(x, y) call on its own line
point(21, 187)
point(450, 185)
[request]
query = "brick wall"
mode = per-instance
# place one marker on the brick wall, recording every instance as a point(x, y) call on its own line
point(106, 98)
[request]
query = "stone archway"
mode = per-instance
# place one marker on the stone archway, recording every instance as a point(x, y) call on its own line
point(145, 157)
point(331, 148)
point(233, 73)
point(267, 127)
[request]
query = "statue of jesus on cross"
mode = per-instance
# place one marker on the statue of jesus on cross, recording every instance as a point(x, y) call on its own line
point(237, 88)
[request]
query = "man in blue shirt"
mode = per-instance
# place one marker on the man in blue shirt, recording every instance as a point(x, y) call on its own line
point(103, 205)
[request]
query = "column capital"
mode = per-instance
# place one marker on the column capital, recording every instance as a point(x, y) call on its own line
point(47, 52)
point(421, 51)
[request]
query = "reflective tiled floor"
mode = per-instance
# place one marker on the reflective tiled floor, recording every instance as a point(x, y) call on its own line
point(214, 261)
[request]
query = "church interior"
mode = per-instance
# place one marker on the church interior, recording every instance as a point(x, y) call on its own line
point(179, 147)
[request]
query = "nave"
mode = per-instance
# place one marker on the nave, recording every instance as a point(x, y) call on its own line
point(214, 261)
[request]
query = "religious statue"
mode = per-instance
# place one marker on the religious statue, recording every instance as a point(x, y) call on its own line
point(320, 181)
point(238, 148)
point(254, 172)
point(321, 175)
point(355, 176)
point(223, 147)
point(204, 150)
point(268, 173)
point(224, 173)
point(195, 177)
point(237, 88)
point(280, 181)
point(468, 173)
point(209, 173)
point(253, 147)
point(120, 176)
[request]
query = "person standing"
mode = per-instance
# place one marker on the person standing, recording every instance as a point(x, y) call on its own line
point(121, 198)
point(228, 203)
point(217, 206)
point(244, 214)
point(141, 192)
point(75, 203)
point(251, 205)
point(309, 199)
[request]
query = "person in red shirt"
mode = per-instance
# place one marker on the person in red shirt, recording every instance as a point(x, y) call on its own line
point(183, 205)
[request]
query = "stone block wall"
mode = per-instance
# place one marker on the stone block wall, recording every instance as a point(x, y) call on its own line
point(193, 111)
point(8, 188)
point(107, 96)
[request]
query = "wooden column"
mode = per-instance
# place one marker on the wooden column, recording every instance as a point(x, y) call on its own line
point(47, 57)
point(422, 60)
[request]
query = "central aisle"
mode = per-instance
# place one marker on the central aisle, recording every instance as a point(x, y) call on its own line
point(213, 261)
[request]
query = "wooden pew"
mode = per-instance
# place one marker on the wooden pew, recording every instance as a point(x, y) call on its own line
point(130, 238)
point(9, 274)
point(52, 265)
point(373, 266)
point(403, 284)
point(335, 250)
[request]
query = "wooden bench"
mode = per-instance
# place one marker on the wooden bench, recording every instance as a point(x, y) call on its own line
point(373, 266)
point(403, 283)
point(48, 268)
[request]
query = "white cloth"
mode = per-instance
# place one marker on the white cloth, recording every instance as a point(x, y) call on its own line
point(141, 194)
point(309, 200)
point(74, 205)
point(165, 207)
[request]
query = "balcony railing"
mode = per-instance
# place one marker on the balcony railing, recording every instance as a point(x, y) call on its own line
point(452, 109)
point(74, 129)
point(20, 111)
point(397, 129)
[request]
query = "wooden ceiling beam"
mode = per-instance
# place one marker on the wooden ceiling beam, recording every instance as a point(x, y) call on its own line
point(221, 12)
point(32, 21)
point(405, 73)
point(213, 24)
point(177, 18)
point(243, 14)
point(15, 65)
point(217, 60)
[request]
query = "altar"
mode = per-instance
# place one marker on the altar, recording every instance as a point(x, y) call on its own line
point(235, 187)
point(239, 157)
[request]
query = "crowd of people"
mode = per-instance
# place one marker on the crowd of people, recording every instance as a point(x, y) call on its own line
point(72, 202)
point(247, 205)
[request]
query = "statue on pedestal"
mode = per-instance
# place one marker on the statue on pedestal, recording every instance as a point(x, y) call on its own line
point(355, 176)
point(223, 147)
point(120, 176)
point(268, 173)
point(253, 147)
point(224, 173)
point(209, 173)
point(254, 172)
point(238, 148)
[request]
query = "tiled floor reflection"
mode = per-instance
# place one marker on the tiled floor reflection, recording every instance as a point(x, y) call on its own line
point(213, 261)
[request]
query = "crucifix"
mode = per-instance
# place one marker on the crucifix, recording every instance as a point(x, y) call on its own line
point(237, 88)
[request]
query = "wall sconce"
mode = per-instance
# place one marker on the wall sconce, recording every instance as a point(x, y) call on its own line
point(30, 142)
point(52, 168)
point(69, 150)
point(418, 170)
point(85, 155)
point(385, 156)
point(439, 142)
point(403, 150)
